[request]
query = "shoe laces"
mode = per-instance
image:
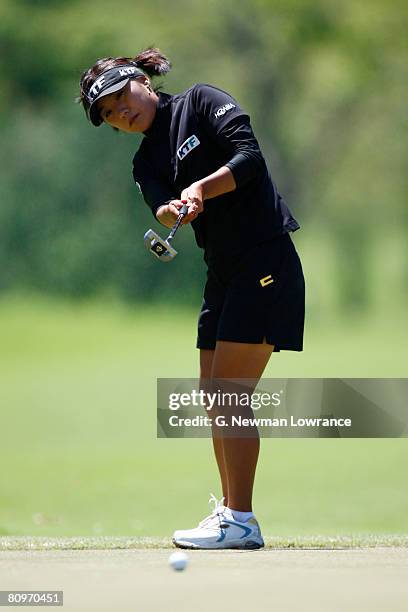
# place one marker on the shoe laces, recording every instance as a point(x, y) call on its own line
point(217, 511)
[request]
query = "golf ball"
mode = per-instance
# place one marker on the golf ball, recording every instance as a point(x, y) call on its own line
point(178, 561)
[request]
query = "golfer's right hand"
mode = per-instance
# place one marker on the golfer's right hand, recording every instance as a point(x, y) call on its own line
point(168, 213)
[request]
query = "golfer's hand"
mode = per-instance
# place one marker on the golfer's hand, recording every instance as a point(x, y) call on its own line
point(168, 213)
point(193, 197)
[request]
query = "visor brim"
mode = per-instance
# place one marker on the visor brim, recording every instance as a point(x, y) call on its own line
point(93, 112)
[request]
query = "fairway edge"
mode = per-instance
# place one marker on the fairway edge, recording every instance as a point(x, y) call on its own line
point(127, 543)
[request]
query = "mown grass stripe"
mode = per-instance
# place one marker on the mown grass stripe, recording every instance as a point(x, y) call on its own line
point(127, 543)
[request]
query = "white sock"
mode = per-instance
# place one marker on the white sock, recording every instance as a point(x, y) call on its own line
point(241, 517)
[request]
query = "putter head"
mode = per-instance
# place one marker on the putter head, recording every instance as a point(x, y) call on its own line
point(159, 247)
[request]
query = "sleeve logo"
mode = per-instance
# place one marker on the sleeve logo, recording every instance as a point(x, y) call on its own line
point(223, 109)
point(188, 145)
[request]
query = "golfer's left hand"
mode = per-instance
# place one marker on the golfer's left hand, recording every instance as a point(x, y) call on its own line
point(193, 196)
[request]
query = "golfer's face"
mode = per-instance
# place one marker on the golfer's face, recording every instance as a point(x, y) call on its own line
point(131, 109)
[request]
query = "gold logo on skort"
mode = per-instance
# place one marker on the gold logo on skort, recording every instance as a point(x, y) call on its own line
point(267, 280)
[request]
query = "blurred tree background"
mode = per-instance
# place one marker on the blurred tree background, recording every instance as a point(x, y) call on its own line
point(325, 86)
point(84, 325)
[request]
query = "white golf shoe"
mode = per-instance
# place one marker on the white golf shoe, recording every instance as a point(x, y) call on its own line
point(220, 530)
point(218, 508)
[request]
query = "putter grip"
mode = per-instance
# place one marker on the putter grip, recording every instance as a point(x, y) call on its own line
point(182, 213)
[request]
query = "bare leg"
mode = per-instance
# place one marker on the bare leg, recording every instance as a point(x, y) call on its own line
point(234, 360)
point(206, 361)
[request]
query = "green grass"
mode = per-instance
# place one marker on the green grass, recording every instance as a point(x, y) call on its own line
point(79, 453)
point(127, 543)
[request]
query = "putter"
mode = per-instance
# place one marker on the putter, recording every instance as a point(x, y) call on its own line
point(162, 248)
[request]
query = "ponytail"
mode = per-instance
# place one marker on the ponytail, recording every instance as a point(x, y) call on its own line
point(152, 62)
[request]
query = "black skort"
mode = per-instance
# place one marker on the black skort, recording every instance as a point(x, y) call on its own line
point(264, 300)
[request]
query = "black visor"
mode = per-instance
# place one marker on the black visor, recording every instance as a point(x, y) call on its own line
point(108, 82)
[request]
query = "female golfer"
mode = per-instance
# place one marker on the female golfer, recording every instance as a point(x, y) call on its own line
point(199, 148)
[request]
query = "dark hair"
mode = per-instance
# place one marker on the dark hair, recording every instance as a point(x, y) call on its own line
point(151, 61)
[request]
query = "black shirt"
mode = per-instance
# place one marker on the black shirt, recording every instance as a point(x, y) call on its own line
point(192, 135)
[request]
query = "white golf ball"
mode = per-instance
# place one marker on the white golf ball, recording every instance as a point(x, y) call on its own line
point(178, 561)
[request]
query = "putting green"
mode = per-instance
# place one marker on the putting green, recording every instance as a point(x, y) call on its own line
point(290, 580)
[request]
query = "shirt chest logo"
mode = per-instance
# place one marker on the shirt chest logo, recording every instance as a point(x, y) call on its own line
point(188, 145)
